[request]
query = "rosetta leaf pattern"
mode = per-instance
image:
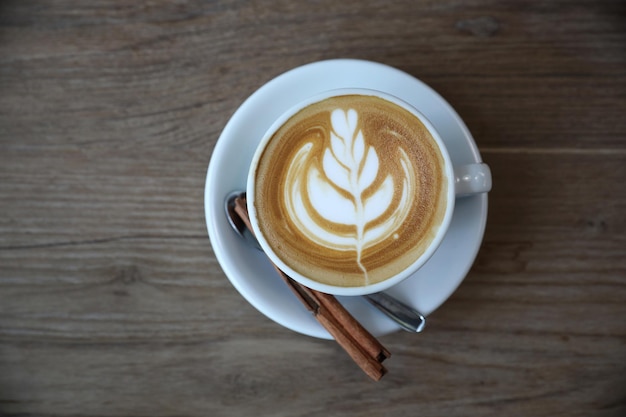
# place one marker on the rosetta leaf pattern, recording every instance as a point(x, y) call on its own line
point(352, 166)
point(348, 188)
point(343, 162)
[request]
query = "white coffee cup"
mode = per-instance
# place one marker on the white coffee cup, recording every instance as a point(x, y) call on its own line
point(460, 181)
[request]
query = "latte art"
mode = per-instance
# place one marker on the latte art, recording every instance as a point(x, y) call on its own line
point(345, 191)
point(350, 190)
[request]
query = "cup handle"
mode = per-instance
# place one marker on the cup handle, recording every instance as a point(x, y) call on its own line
point(472, 179)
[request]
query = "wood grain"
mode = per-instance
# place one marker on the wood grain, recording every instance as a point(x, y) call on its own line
point(112, 302)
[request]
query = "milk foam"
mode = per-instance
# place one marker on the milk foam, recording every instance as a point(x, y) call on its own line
point(350, 190)
point(337, 192)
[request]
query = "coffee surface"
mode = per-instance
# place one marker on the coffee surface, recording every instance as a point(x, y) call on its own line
point(350, 190)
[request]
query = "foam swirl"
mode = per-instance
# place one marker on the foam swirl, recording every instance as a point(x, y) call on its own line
point(337, 192)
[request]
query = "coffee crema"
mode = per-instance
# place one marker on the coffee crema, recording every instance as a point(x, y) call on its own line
point(350, 191)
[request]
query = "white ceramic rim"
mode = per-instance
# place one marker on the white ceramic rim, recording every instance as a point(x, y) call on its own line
point(442, 228)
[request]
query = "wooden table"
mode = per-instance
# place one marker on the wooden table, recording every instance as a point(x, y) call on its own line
point(112, 302)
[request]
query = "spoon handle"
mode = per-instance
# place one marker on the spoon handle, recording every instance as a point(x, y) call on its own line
point(408, 318)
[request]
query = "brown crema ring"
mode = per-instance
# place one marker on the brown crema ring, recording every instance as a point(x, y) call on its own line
point(406, 152)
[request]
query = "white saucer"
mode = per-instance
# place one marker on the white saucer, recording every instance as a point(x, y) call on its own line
point(248, 269)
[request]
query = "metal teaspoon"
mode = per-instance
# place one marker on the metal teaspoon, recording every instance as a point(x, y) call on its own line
point(406, 317)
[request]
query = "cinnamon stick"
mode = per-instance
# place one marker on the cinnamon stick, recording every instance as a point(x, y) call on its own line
point(353, 327)
point(366, 351)
point(356, 344)
point(370, 365)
